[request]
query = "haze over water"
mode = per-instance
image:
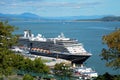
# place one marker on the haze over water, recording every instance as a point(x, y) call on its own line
point(88, 33)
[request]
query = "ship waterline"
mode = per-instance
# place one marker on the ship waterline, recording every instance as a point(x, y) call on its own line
point(58, 47)
point(78, 59)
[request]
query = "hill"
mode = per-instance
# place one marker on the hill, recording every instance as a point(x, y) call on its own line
point(19, 17)
point(106, 19)
point(111, 18)
point(33, 17)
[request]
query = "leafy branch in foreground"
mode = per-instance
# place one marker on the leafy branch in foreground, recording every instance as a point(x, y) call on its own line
point(112, 53)
point(10, 62)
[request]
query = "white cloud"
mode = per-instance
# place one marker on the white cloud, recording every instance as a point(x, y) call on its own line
point(44, 6)
point(41, 3)
point(2, 2)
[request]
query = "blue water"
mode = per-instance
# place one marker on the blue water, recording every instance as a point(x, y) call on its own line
point(88, 33)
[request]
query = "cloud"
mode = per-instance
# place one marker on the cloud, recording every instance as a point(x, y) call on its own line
point(41, 6)
point(42, 3)
point(2, 3)
point(67, 4)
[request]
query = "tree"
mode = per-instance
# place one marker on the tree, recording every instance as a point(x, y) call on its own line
point(105, 76)
point(28, 77)
point(10, 62)
point(7, 39)
point(62, 69)
point(112, 53)
point(39, 66)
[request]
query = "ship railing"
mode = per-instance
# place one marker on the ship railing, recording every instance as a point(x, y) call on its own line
point(23, 38)
point(60, 52)
point(83, 53)
point(69, 45)
point(54, 51)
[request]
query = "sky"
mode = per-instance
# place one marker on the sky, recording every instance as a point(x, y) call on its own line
point(60, 8)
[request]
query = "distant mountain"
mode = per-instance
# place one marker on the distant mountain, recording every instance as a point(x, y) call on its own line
point(23, 16)
point(105, 18)
point(111, 18)
point(29, 15)
point(34, 17)
point(76, 17)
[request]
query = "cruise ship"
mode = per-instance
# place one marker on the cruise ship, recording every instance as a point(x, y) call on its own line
point(58, 47)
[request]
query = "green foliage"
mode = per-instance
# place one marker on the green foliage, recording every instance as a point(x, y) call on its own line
point(1, 78)
point(10, 62)
point(41, 68)
point(62, 69)
point(28, 77)
point(108, 76)
point(112, 53)
point(35, 66)
point(7, 39)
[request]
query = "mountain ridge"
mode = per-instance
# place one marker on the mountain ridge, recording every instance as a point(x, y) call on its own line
point(31, 16)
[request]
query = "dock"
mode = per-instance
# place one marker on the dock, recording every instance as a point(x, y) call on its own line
point(50, 61)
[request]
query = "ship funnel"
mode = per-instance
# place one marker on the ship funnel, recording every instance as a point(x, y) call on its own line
point(62, 35)
point(27, 33)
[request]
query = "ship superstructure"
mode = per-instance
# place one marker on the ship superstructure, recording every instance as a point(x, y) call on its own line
point(58, 47)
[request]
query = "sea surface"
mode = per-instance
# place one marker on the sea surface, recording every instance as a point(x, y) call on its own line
point(88, 33)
